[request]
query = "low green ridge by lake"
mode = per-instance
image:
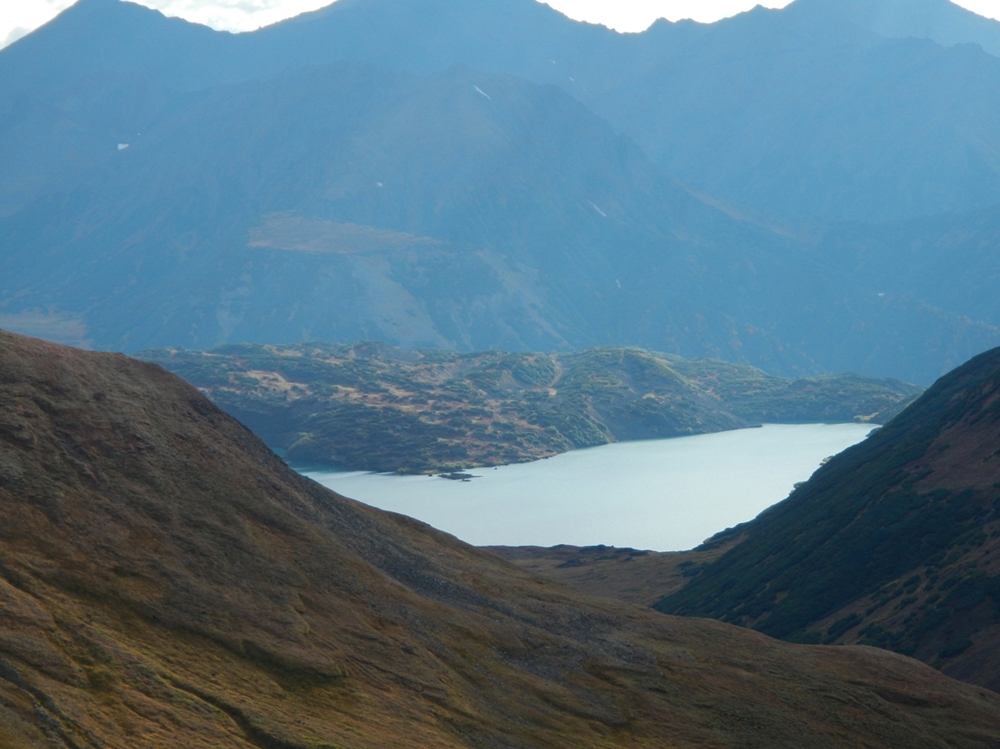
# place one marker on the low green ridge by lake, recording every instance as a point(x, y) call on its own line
point(374, 407)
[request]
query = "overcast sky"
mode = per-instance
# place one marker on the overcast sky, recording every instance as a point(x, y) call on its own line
point(18, 17)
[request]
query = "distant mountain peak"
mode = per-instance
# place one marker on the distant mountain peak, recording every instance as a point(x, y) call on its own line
point(938, 20)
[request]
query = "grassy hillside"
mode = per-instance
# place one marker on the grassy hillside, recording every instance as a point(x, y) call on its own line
point(894, 543)
point(376, 407)
point(168, 582)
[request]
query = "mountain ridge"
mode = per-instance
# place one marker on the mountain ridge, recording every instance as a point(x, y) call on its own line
point(620, 78)
point(140, 215)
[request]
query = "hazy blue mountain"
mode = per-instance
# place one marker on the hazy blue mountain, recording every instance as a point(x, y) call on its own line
point(347, 201)
point(177, 188)
point(804, 112)
point(947, 261)
point(938, 20)
point(808, 110)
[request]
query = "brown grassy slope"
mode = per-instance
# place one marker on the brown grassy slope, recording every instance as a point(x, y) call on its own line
point(165, 581)
point(895, 542)
point(639, 577)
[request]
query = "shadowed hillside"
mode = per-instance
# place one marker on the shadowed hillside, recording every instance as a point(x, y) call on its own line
point(895, 542)
point(168, 582)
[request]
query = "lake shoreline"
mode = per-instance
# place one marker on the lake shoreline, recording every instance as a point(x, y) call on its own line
point(663, 495)
point(310, 467)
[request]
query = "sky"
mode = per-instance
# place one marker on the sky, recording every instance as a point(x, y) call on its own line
point(19, 17)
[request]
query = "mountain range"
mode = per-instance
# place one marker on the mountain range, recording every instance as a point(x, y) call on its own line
point(808, 190)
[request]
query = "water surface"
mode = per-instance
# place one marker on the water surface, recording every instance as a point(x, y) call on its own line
point(665, 495)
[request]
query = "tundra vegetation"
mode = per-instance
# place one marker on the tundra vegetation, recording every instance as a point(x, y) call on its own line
point(371, 406)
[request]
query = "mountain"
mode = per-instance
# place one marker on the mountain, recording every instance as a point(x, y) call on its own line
point(182, 187)
point(893, 543)
point(803, 112)
point(460, 211)
point(374, 407)
point(168, 582)
point(938, 20)
point(808, 110)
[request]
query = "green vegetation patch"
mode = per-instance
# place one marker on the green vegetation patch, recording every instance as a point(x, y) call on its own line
point(369, 406)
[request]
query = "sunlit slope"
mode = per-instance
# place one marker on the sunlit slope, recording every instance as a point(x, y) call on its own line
point(167, 582)
point(893, 543)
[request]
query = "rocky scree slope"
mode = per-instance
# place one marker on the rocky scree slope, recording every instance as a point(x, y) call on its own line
point(166, 581)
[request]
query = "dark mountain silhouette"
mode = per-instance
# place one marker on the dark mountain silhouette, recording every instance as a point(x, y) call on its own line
point(893, 543)
point(167, 581)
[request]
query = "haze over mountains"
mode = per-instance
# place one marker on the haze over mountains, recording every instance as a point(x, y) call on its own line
point(476, 175)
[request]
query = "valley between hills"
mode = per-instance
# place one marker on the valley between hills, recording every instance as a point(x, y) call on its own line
point(167, 581)
point(894, 543)
point(419, 236)
point(374, 407)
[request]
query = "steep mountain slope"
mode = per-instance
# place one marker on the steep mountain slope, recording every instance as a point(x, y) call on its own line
point(467, 210)
point(940, 260)
point(806, 110)
point(168, 582)
point(812, 114)
point(462, 210)
point(459, 211)
point(380, 408)
point(895, 542)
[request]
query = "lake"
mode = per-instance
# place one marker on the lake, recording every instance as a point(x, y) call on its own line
point(664, 495)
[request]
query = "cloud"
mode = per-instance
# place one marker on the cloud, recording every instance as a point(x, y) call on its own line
point(16, 33)
point(234, 15)
point(21, 17)
point(637, 15)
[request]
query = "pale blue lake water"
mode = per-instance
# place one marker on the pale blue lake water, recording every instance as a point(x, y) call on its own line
point(664, 495)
